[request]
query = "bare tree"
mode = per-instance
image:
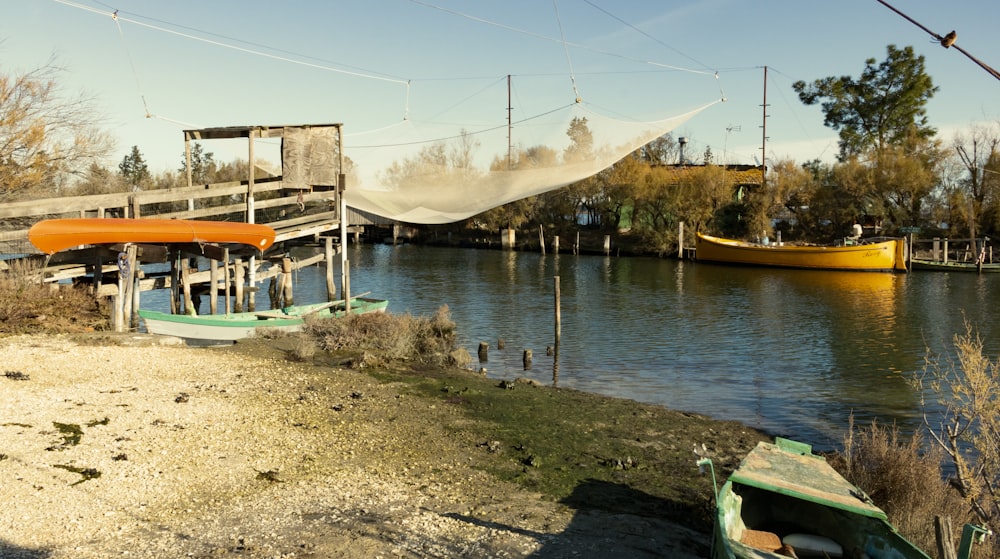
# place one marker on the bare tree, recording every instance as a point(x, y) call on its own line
point(979, 153)
point(45, 135)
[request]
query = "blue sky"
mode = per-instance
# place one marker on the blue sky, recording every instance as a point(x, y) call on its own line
point(370, 64)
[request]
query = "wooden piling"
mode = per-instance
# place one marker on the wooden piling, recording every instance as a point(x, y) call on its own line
point(526, 360)
point(331, 287)
point(541, 239)
point(189, 306)
point(484, 351)
point(558, 311)
point(680, 241)
point(213, 286)
point(607, 245)
point(555, 244)
point(238, 281)
point(175, 281)
point(501, 343)
point(225, 279)
point(286, 273)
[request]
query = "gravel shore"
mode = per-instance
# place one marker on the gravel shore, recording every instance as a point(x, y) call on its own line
point(149, 448)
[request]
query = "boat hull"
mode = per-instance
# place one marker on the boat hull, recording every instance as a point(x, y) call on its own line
point(938, 266)
point(237, 326)
point(783, 494)
point(53, 235)
point(886, 256)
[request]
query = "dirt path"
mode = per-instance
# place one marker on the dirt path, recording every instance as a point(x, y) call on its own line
point(149, 450)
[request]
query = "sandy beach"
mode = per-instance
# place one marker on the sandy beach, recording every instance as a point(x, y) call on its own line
point(149, 448)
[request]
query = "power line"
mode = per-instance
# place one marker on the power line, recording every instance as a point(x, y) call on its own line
point(946, 41)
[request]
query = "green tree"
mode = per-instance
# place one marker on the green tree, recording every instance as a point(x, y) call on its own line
point(46, 136)
point(880, 108)
point(134, 170)
point(203, 165)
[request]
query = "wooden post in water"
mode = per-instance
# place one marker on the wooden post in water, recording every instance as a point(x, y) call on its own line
point(541, 239)
point(558, 328)
point(98, 271)
point(576, 246)
point(555, 244)
point(175, 281)
point(345, 290)
point(286, 274)
point(132, 316)
point(526, 360)
point(331, 287)
point(680, 241)
point(225, 279)
point(484, 352)
point(238, 281)
point(189, 307)
point(213, 286)
point(607, 245)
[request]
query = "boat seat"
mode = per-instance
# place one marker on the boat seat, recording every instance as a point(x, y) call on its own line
point(764, 541)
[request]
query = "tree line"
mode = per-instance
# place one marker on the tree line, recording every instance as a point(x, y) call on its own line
point(891, 169)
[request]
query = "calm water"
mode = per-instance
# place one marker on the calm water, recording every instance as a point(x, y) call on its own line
point(790, 352)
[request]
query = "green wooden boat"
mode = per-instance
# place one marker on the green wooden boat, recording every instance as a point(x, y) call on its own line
point(952, 266)
point(216, 328)
point(785, 501)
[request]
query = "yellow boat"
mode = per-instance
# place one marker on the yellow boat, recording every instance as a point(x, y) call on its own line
point(884, 256)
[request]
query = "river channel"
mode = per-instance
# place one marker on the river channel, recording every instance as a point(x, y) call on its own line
point(791, 352)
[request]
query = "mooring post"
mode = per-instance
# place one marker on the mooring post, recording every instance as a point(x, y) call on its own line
point(484, 351)
point(331, 287)
point(680, 241)
point(526, 360)
point(558, 329)
point(213, 286)
point(238, 272)
point(225, 279)
point(286, 276)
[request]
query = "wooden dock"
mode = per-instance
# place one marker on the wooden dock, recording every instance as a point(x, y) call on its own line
point(304, 206)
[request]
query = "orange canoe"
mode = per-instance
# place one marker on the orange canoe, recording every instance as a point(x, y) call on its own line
point(53, 235)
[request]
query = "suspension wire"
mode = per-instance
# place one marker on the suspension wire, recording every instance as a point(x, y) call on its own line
point(569, 62)
point(647, 35)
point(455, 136)
point(243, 49)
point(131, 64)
point(556, 40)
point(947, 41)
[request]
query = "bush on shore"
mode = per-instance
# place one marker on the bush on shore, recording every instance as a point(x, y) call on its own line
point(29, 306)
point(386, 337)
point(903, 478)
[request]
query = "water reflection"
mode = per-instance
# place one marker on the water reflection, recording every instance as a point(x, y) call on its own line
point(794, 352)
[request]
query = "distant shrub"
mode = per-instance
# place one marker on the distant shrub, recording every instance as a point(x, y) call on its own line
point(392, 337)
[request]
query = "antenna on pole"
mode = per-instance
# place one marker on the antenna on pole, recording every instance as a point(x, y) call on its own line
point(763, 141)
point(510, 130)
point(729, 129)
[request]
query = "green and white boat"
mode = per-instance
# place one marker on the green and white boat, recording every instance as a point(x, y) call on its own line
point(784, 501)
point(236, 326)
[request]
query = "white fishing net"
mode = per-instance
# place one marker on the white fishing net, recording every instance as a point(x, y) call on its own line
point(401, 174)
